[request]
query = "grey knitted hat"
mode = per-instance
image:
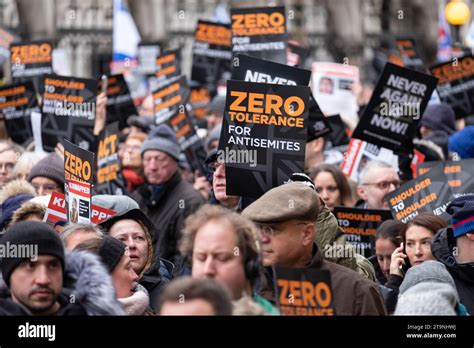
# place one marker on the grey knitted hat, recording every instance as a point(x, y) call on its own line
point(428, 271)
point(51, 167)
point(117, 203)
point(428, 298)
point(162, 138)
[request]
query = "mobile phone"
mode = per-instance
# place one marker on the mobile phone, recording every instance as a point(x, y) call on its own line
point(404, 267)
point(104, 84)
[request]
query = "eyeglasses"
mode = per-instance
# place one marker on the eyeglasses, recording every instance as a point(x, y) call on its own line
point(266, 230)
point(384, 185)
point(270, 230)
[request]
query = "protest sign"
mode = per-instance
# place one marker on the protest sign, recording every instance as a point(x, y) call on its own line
point(167, 65)
point(30, 59)
point(456, 84)
point(264, 135)
point(337, 141)
point(304, 291)
point(360, 226)
point(409, 53)
point(260, 32)
point(190, 143)
point(427, 193)
point(212, 53)
point(79, 175)
point(168, 98)
point(147, 54)
point(391, 117)
point(56, 211)
point(332, 88)
point(199, 100)
point(68, 111)
point(359, 153)
point(16, 104)
point(109, 174)
point(458, 174)
point(119, 101)
point(251, 69)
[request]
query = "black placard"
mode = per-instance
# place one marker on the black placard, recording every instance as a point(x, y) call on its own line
point(456, 84)
point(391, 117)
point(264, 135)
point(304, 292)
point(109, 175)
point(360, 226)
point(119, 100)
point(16, 103)
point(212, 53)
point(427, 193)
point(169, 98)
point(68, 111)
point(260, 32)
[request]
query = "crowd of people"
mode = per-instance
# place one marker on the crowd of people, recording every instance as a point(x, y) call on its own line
point(179, 244)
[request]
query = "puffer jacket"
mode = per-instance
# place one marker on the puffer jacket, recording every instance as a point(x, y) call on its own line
point(87, 290)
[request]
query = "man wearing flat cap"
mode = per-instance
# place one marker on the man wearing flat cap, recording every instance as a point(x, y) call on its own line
point(286, 217)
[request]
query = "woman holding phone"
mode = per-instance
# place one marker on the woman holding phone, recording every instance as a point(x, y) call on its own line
point(415, 247)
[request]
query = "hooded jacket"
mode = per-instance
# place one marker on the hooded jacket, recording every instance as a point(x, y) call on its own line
point(86, 281)
point(462, 273)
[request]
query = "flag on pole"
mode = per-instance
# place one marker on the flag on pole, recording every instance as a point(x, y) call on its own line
point(444, 37)
point(125, 38)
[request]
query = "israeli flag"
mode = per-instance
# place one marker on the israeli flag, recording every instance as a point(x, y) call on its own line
point(125, 37)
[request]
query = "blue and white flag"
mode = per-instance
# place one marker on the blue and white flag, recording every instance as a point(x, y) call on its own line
point(125, 38)
point(444, 37)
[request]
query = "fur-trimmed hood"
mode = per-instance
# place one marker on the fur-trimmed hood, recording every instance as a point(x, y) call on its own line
point(87, 282)
point(15, 188)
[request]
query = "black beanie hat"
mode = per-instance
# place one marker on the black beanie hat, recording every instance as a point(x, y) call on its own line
point(30, 233)
point(111, 252)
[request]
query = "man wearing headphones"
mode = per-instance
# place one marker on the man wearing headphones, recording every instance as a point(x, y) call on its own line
point(223, 245)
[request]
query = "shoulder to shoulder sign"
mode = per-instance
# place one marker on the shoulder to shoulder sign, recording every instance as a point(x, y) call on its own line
point(68, 110)
point(427, 193)
point(264, 135)
point(398, 101)
point(360, 225)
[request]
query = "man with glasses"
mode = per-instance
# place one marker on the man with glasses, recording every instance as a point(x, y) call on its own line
point(9, 154)
point(376, 180)
point(286, 217)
